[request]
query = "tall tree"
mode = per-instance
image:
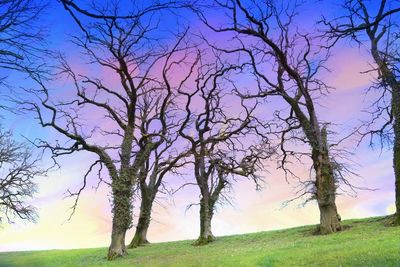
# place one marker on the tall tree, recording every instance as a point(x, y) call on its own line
point(287, 64)
point(222, 138)
point(375, 24)
point(162, 156)
point(125, 47)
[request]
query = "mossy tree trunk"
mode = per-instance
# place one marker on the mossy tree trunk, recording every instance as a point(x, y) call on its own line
point(122, 185)
point(206, 215)
point(122, 219)
point(396, 147)
point(325, 188)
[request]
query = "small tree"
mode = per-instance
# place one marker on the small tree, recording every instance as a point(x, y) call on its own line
point(221, 131)
point(18, 169)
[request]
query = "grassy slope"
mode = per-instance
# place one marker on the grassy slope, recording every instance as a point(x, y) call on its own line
point(366, 243)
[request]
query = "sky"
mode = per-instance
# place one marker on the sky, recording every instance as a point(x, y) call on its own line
point(250, 211)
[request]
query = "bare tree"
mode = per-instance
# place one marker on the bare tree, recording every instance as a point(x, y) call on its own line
point(375, 25)
point(18, 168)
point(222, 138)
point(128, 48)
point(286, 64)
point(159, 122)
point(150, 183)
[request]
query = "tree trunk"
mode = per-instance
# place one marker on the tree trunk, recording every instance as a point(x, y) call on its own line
point(396, 147)
point(329, 219)
point(122, 217)
point(140, 237)
point(326, 189)
point(206, 214)
point(326, 197)
point(117, 247)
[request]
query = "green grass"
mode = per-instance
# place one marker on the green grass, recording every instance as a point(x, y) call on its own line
point(365, 242)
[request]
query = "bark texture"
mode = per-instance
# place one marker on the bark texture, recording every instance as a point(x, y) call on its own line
point(396, 149)
point(140, 237)
point(206, 214)
point(326, 189)
point(121, 220)
point(122, 186)
point(117, 247)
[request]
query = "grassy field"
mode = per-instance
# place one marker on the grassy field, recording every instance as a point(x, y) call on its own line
point(365, 242)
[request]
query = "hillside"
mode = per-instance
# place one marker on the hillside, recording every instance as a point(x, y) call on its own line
point(365, 242)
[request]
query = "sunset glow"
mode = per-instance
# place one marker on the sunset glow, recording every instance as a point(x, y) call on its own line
point(251, 210)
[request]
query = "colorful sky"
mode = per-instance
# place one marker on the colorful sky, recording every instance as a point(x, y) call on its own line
point(252, 210)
